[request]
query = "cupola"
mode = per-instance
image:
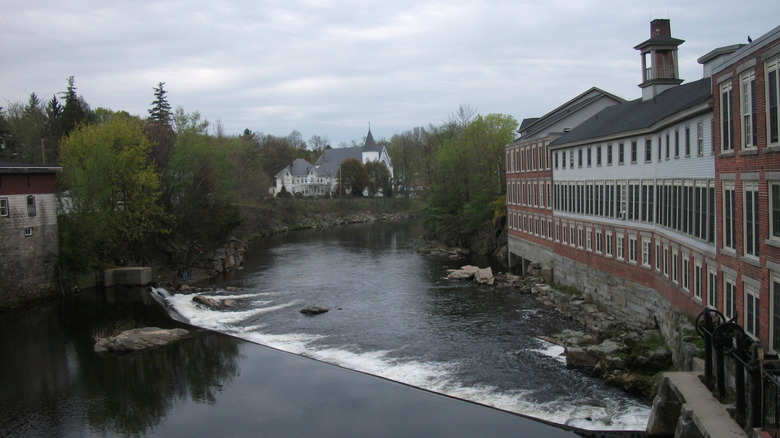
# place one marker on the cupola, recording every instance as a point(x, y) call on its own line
point(659, 60)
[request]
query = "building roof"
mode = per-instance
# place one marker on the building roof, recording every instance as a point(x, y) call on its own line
point(532, 125)
point(11, 167)
point(370, 145)
point(299, 167)
point(638, 115)
point(757, 44)
point(328, 163)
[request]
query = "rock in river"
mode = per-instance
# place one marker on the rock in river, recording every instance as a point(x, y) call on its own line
point(138, 339)
point(314, 310)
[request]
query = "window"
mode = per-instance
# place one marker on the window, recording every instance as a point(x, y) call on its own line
point(666, 261)
point(28, 232)
point(4, 210)
point(748, 109)
point(633, 151)
point(774, 292)
point(646, 253)
point(621, 153)
point(729, 210)
point(555, 160)
point(579, 157)
point(751, 311)
point(609, 155)
point(657, 256)
point(598, 241)
point(659, 148)
point(685, 268)
point(598, 156)
point(729, 297)
point(589, 240)
point(751, 219)
point(675, 266)
point(667, 145)
point(725, 118)
point(700, 138)
point(619, 241)
point(773, 101)
point(712, 288)
point(648, 150)
point(676, 144)
point(31, 209)
point(774, 209)
point(590, 153)
point(632, 249)
point(608, 244)
point(697, 279)
point(687, 141)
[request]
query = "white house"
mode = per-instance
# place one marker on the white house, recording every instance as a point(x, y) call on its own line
point(321, 178)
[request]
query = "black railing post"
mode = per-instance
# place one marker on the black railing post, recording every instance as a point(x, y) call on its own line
point(708, 328)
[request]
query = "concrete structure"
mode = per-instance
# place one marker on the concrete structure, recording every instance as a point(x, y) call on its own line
point(29, 248)
point(322, 177)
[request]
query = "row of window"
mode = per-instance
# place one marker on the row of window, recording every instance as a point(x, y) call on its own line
point(750, 210)
point(5, 208)
point(748, 108)
point(527, 158)
point(670, 145)
point(529, 192)
point(686, 206)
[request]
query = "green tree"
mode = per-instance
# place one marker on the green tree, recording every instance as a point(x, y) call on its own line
point(159, 128)
point(353, 177)
point(378, 179)
point(112, 209)
point(75, 111)
point(199, 189)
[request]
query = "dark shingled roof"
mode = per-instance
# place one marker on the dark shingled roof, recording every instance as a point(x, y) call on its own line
point(299, 167)
point(370, 145)
point(328, 163)
point(638, 114)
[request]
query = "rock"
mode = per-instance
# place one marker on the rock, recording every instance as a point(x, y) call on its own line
point(314, 310)
point(208, 302)
point(464, 273)
point(184, 288)
point(579, 357)
point(231, 288)
point(229, 303)
point(606, 348)
point(484, 276)
point(138, 339)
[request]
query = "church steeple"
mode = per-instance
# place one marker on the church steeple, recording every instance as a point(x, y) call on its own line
point(660, 52)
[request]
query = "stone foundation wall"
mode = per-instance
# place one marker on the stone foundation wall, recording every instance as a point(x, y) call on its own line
point(635, 305)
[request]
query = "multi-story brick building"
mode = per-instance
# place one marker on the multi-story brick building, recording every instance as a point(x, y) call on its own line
point(529, 175)
point(28, 231)
point(746, 95)
point(634, 196)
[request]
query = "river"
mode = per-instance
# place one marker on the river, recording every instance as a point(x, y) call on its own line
point(395, 315)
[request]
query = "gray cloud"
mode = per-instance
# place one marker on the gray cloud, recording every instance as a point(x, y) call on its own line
point(330, 67)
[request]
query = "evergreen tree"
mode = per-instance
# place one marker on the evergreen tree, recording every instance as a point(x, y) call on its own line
point(75, 111)
point(160, 111)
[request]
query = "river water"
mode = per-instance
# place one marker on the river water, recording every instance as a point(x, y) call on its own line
point(395, 315)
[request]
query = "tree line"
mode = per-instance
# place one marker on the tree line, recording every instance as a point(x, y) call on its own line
point(173, 181)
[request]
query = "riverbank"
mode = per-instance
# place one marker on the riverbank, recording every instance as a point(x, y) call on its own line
point(207, 384)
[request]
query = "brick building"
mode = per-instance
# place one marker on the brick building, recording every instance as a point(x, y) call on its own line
point(634, 215)
point(29, 247)
point(746, 96)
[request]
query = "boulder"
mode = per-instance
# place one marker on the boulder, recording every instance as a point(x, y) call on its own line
point(577, 357)
point(138, 339)
point(208, 302)
point(314, 310)
point(484, 276)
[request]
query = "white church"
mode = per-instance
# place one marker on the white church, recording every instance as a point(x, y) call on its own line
point(321, 178)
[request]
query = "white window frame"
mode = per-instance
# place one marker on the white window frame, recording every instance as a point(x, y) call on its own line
point(5, 208)
point(712, 287)
point(774, 311)
point(697, 273)
point(751, 235)
point(685, 268)
point(752, 310)
point(646, 252)
point(608, 244)
point(632, 250)
point(726, 140)
point(747, 110)
point(729, 296)
point(729, 232)
point(774, 210)
point(772, 103)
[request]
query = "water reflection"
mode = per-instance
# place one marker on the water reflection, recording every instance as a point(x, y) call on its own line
point(52, 381)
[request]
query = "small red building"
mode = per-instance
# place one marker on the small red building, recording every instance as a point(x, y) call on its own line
point(29, 247)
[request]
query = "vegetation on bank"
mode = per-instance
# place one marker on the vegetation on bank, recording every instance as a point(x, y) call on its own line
point(137, 189)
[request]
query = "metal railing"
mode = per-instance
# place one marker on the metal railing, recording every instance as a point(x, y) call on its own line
point(756, 378)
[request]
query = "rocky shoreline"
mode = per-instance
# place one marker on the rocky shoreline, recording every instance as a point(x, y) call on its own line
point(622, 353)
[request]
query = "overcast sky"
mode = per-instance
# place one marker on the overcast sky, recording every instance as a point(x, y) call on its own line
point(329, 67)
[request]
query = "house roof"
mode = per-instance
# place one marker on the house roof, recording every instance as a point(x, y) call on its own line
point(299, 167)
point(328, 163)
point(639, 114)
point(11, 167)
point(532, 125)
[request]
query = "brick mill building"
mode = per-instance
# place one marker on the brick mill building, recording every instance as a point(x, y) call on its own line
point(28, 231)
point(746, 96)
point(650, 212)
